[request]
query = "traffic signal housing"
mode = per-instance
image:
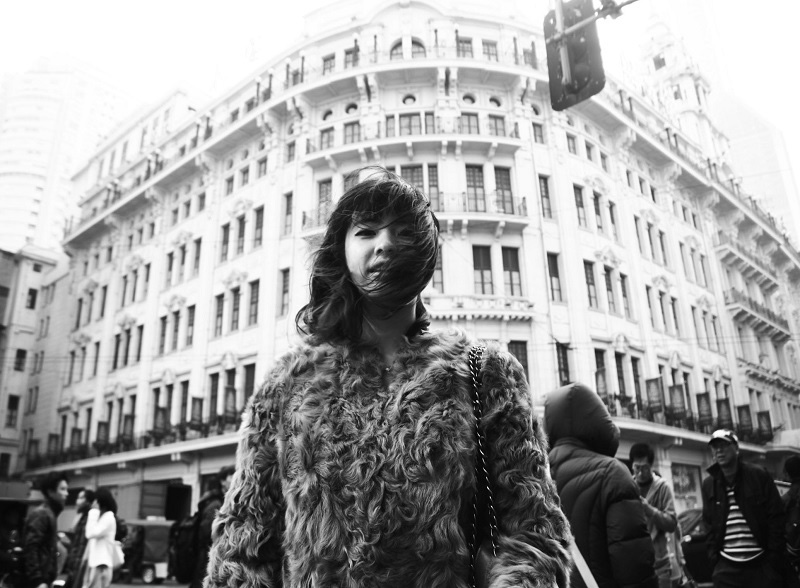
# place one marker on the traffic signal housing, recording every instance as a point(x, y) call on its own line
point(583, 58)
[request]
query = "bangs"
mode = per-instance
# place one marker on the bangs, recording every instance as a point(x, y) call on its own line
point(388, 200)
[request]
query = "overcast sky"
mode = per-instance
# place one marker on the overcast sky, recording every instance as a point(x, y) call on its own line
point(149, 47)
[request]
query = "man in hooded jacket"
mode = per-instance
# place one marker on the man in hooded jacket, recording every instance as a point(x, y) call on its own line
point(597, 492)
point(208, 506)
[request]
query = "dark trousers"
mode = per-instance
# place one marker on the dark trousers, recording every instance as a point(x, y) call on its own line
point(758, 573)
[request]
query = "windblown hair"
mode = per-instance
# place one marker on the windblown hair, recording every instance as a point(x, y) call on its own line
point(335, 309)
point(105, 500)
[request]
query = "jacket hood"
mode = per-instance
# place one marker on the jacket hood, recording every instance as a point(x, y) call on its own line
point(575, 411)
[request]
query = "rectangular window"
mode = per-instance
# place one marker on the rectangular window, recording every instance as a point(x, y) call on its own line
point(240, 228)
point(572, 146)
point(176, 325)
point(538, 133)
point(637, 224)
point(673, 304)
point(482, 269)
point(213, 399)
point(438, 275)
point(350, 57)
point(626, 302)
point(464, 47)
point(19, 360)
point(598, 210)
point(249, 381)
point(218, 308)
point(162, 335)
point(226, 235)
point(410, 124)
point(236, 301)
point(591, 287)
point(30, 299)
point(497, 125)
point(651, 232)
point(544, 192)
point(139, 342)
point(181, 267)
point(610, 296)
point(12, 411)
point(252, 314)
point(612, 216)
point(648, 292)
point(244, 176)
point(578, 191)
point(604, 161)
point(326, 138)
point(430, 125)
point(433, 186)
point(125, 353)
point(555, 277)
point(262, 167)
point(562, 359)
point(619, 364)
point(468, 123)
point(511, 274)
point(413, 175)
point(662, 244)
point(529, 56)
point(96, 362)
point(167, 274)
point(352, 132)
point(287, 213)
point(190, 326)
point(198, 245)
point(476, 196)
point(201, 202)
point(505, 198)
point(258, 232)
point(228, 186)
point(78, 313)
point(290, 151)
point(519, 349)
point(490, 50)
point(328, 63)
point(589, 151)
point(284, 308)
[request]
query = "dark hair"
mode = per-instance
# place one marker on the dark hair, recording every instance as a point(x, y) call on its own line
point(105, 500)
point(51, 481)
point(640, 450)
point(88, 494)
point(225, 471)
point(792, 468)
point(334, 310)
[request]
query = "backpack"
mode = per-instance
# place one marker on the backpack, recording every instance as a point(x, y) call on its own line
point(183, 548)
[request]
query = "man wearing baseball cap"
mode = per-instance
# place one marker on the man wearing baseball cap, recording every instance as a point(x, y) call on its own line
point(744, 512)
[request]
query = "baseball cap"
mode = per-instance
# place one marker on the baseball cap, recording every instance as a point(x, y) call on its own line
point(724, 435)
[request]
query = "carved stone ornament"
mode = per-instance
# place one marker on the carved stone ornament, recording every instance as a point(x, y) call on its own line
point(661, 282)
point(596, 183)
point(670, 172)
point(675, 360)
point(90, 287)
point(621, 343)
point(182, 238)
point(234, 279)
point(175, 302)
point(168, 377)
point(717, 373)
point(704, 302)
point(239, 208)
point(692, 242)
point(81, 339)
point(648, 215)
point(126, 321)
point(228, 361)
point(608, 257)
point(134, 262)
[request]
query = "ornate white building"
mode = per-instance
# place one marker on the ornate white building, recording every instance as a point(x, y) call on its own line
point(601, 244)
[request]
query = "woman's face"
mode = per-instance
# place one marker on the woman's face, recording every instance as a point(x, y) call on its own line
point(368, 246)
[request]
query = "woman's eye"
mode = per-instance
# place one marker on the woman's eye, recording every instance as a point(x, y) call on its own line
point(365, 233)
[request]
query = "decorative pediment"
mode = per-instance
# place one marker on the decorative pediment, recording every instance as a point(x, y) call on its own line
point(661, 282)
point(168, 377)
point(228, 361)
point(134, 262)
point(692, 242)
point(704, 302)
point(90, 287)
point(240, 207)
point(234, 279)
point(608, 257)
point(621, 343)
point(717, 373)
point(175, 302)
point(648, 215)
point(675, 360)
point(596, 183)
point(81, 339)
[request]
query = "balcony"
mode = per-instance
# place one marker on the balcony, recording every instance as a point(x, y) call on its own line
point(477, 306)
point(755, 314)
point(763, 373)
point(752, 265)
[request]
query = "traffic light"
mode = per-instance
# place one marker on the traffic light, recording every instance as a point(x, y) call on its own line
point(579, 51)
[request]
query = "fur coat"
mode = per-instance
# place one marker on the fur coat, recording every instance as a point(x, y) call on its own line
point(353, 475)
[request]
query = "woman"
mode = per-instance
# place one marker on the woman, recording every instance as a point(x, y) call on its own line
point(356, 464)
point(101, 527)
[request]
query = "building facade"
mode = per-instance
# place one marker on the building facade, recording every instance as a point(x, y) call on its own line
point(600, 245)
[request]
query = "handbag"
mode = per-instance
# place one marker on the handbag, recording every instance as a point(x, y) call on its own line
point(483, 548)
point(117, 556)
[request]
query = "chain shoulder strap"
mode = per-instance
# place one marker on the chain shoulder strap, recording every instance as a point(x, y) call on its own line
point(475, 356)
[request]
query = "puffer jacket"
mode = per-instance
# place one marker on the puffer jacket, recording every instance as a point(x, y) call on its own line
point(350, 473)
point(597, 491)
point(40, 543)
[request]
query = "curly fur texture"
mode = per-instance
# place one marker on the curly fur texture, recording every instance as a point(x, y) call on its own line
point(351, 476)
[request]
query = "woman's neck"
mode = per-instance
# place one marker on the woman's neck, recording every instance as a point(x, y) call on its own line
point(388, 333)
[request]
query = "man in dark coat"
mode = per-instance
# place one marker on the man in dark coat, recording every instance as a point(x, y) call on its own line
point(208, 506)
point(73, 567)
point(40, 542)
point(597, 492)
point(744, 512)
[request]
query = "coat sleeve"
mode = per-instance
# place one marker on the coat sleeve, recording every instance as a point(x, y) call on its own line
point(630, 549)
point(100, 526)
point(247, 548)
point(709, 520)
point(534, 533)
point(662, 510)
point(37, 531)
point(777, 518)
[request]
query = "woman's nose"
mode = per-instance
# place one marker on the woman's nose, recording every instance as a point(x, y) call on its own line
point(385, 241)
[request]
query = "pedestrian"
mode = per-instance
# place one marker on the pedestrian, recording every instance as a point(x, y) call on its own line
point(597, 492)
point(75, 566)
point(40, 543)
point(357, 460)
point(659, 510)
point(744, 512)
point(101, 528)
point(208, 506)
point(791, 504)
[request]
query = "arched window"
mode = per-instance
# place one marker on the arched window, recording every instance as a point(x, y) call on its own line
point(417, 50)
point(397, 51)
point(327, 115)
point(468, 99)
point(351, 108)
point(409, 99)
point(494, 101)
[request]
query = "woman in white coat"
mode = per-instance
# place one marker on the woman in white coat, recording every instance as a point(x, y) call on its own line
point(101, 527)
